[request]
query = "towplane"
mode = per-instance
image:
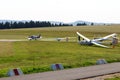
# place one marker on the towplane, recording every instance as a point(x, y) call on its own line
point(34, 37)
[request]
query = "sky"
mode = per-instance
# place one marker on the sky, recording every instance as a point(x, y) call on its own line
point(61, 10)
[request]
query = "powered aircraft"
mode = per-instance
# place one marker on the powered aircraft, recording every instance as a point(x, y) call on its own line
point(96, 41)
point(34, 37)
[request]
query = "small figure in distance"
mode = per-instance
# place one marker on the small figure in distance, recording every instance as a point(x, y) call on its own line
point(114, 41)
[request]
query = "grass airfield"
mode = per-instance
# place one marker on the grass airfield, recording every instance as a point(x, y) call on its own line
point(37, 56)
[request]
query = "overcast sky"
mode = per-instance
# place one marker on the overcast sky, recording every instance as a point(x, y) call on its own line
point(61, 10)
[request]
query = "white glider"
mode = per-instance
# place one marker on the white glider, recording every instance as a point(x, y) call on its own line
point(97, 41)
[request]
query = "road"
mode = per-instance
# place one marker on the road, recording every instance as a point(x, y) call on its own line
point(71, 74)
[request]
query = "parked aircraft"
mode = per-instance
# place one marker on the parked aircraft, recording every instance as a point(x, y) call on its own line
point(96, 41)
point(34, 37)
point(59, 39)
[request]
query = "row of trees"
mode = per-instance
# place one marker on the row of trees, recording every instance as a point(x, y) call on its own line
point(30, 24)
point(34, 24)
point(81, 24)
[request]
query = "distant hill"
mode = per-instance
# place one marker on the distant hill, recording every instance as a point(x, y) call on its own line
point(86, 22)
point(3, 21)
point(80, 22)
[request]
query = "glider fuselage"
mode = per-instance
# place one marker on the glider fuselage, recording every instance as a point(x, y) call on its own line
point(84, 42)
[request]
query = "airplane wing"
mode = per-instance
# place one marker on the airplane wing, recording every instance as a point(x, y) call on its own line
point(99, 44)
point(106, 37)
point(83, 36)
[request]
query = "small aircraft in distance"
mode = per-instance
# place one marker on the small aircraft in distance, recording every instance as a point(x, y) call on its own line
point(59, 39)
point(96, 41)
point(34, 37)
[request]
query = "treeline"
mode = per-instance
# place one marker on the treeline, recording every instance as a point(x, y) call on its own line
point(81, 24)
point(30, 24)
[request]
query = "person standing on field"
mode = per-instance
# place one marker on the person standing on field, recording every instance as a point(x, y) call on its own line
point(114, 41)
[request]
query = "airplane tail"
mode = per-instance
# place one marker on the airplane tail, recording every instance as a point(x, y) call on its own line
point(39, 36)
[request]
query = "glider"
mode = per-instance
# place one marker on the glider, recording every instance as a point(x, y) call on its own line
point(97, 41)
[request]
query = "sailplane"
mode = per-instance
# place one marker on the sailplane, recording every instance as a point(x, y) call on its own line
point(96, 41)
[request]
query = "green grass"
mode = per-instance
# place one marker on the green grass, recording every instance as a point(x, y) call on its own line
point(116, 78)
point(89, 31)
point(37, 56)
